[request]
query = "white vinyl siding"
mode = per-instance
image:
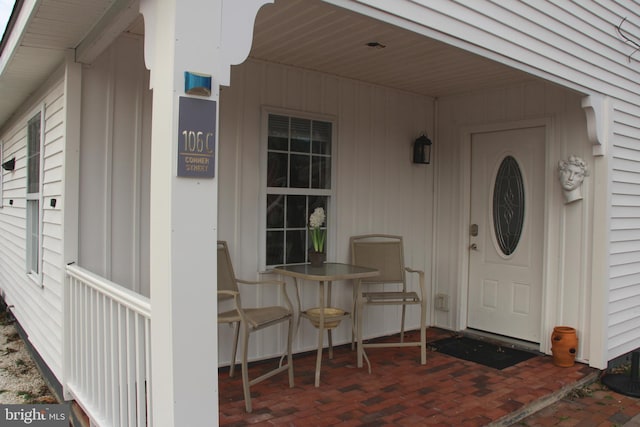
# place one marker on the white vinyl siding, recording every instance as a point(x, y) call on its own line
point(624, 285)
point(37, 308)
point(2, 172)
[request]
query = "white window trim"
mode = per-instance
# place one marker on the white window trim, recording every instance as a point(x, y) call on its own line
point(37, 277)
point(330, 193)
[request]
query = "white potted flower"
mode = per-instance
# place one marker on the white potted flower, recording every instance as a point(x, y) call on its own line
point(318, 237)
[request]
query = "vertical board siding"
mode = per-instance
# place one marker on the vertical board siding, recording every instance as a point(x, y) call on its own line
point(567, 282)
point(575, 44)
point(37, 308)
point(624, 277)
point(377, 188)
point(114, 160)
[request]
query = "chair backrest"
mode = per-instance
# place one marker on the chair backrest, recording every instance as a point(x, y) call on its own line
point(226, 276)
point(382, 252)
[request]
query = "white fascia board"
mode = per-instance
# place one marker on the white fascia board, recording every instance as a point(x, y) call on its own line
point(18, 31)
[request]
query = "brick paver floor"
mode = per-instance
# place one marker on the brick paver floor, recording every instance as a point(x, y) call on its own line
point(401, 392)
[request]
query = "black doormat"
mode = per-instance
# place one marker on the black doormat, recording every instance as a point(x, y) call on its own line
point(482, 352)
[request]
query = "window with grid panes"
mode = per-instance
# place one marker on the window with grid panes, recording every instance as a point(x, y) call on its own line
point(298, 181)
point(33, 195)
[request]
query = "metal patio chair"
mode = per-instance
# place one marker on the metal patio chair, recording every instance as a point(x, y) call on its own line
point(251, 319)
point(385, 253)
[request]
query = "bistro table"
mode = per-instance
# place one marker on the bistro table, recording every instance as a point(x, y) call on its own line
point(326, 273)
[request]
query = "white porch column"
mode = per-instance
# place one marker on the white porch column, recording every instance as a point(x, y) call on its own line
point(205, 37)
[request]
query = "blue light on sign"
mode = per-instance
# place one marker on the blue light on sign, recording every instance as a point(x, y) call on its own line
point(197, 84)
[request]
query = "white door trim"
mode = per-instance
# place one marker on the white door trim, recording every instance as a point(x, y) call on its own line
point(547, 310)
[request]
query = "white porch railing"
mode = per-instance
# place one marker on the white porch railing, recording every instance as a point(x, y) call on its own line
point(107, 339)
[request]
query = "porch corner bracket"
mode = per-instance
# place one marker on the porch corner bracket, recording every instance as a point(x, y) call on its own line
point(236, 34)
point(230, 37)
point(148, 12)
point(598, 111)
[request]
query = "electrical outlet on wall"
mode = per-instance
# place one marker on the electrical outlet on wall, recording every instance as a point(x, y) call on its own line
point(441, 302)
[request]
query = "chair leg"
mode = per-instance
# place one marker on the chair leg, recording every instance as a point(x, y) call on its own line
point(358, 310)
point(404, 310)
point(354, 311)
point(423, 332)
point(289, 348)
point(359, 344)
point(236, 333)
point(245, 367)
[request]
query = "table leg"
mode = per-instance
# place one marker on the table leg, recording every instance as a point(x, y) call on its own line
point(358, 322)
point(354, 315)
point(320, 335)
point(295, 283)
point(297, 323)
point(329, 331)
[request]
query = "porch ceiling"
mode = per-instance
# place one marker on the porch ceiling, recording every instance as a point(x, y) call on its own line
point(305, 33)
point(319, 36)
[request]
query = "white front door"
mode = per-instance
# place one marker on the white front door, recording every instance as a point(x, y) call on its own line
point(506, 232)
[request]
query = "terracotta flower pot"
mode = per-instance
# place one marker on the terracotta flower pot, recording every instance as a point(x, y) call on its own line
point(564, 345)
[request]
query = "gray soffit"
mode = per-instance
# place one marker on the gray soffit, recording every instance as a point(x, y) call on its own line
point(40, 35)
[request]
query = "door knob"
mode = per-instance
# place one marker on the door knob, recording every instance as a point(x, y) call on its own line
point(473, 247)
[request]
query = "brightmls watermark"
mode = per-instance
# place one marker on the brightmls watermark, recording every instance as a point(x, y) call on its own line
point(35, 415)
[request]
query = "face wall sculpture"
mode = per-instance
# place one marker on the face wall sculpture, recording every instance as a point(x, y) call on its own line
point(571, 174)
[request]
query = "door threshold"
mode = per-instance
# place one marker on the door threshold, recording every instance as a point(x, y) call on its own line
point(502, 340)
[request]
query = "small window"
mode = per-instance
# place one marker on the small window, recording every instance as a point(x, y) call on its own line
point(508, 205)
point(298, 180)
point(34, 163)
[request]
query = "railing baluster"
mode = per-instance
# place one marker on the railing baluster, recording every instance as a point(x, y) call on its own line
point(102, 350)
point(122, 368)
point(113, 398)
point(130, 372)
point(141, 407)
point(147, 358)
point(93, 354)
point(109, 350)
point(85, 336)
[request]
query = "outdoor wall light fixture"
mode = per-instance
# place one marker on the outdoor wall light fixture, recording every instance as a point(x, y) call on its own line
point(376, 45)
point(422, 150)
point(197, 84)
point(9, 165)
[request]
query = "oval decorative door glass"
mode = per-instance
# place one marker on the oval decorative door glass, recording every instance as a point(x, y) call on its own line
point(508, 205)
